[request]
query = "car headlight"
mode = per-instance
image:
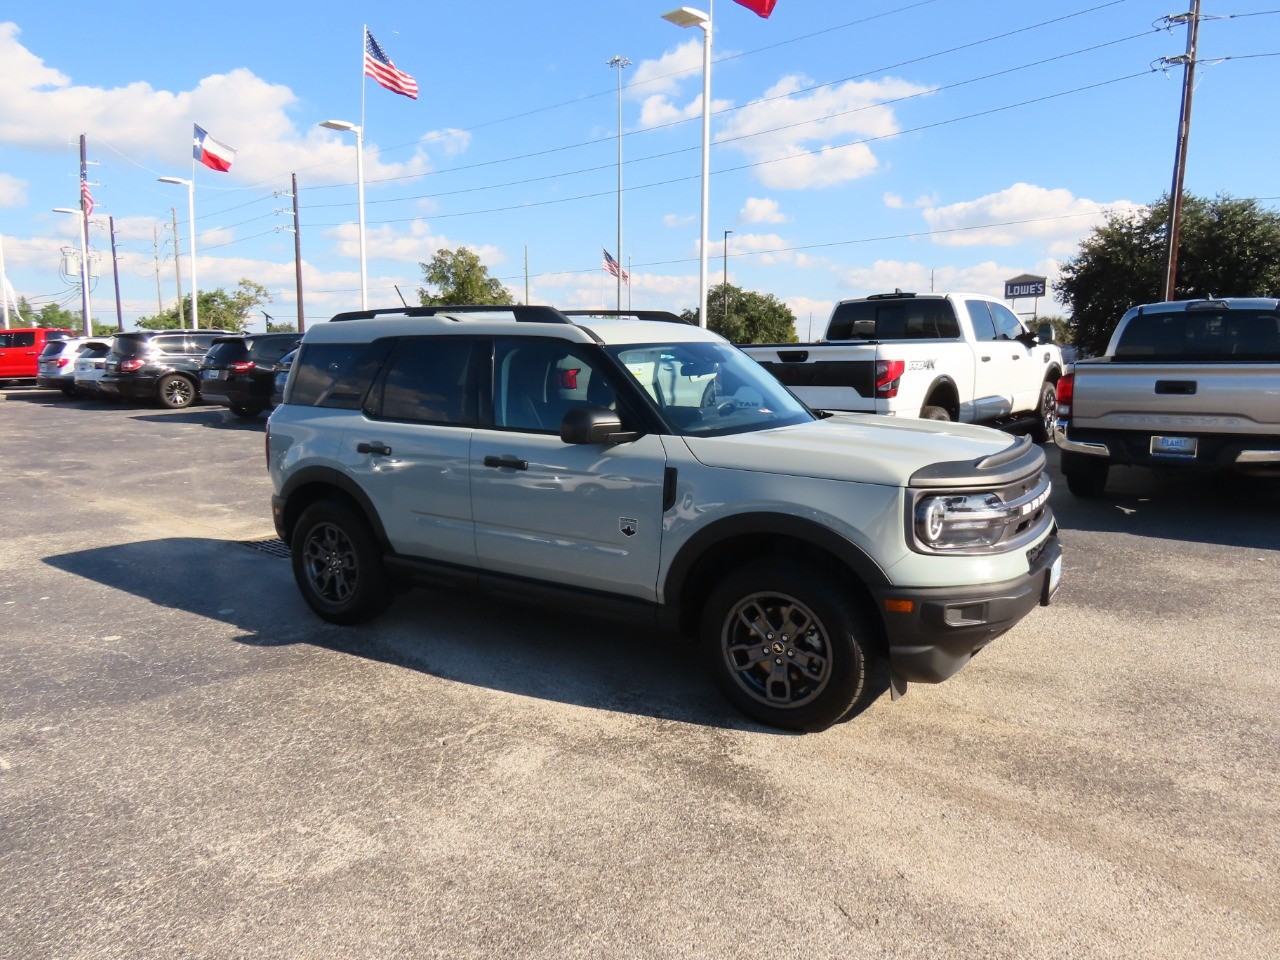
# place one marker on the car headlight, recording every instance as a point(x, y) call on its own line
point(956, 521)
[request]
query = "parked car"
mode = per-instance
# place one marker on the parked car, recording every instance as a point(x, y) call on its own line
point(56, 365)
point(90, 366)
point(161, 365)
point(239, 372)
point(280, 376)
point(540, 458)
point(20, 349)
point(1187, 385)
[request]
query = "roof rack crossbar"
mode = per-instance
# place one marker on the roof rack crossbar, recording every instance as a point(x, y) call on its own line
point(658, 316)
point(524, 313)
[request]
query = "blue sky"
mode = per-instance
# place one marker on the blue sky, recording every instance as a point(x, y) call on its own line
point(857, 147)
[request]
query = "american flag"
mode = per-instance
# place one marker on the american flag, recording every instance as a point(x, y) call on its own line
point(379, 66)
point(86, 198)
point(611, 265)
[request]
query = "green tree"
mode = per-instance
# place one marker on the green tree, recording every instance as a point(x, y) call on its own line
point(459, 277)
point(1228, 247)
point(218, 309)
point(750, 317)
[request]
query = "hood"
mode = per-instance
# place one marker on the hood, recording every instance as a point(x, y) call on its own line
point(863, 447)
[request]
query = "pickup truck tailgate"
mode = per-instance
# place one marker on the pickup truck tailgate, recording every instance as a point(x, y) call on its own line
point(1192, 397)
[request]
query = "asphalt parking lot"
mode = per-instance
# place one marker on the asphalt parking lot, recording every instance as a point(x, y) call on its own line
point(192, 765)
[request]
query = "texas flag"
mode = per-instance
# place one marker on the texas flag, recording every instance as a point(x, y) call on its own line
point(762, 7)
point(214, 154)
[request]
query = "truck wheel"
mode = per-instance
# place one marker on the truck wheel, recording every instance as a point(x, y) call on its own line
point(337, 564)
point(786, 646)
point(935, 413)
point(1086, 475)
point(1046, 413)
point(176, 392)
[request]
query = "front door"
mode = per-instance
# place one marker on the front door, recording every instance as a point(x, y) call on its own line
point(587, 516)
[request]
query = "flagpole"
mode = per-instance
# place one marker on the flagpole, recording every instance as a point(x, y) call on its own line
point(364, 269)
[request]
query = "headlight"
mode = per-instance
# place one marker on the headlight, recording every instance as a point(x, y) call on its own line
point(958, 521)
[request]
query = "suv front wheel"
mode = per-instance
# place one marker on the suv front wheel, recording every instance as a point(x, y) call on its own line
point(337, 564)
point(785, 646)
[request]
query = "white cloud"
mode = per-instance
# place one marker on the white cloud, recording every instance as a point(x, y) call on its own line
point(811, 315)
point(677, 220)
point(1055, 217)
point(41, 109)
point(894, 202)
point(414, 243)
point(761, 210)
point(987, 277)
point(767, 129)
point(658, 111)
point(665, 74)
point(13, 192)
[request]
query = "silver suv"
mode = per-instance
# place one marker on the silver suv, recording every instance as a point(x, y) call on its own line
point(628, 466)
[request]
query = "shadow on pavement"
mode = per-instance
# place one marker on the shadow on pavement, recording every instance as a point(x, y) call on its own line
point(468, 639)
point(1227, 509)
point(218, 418)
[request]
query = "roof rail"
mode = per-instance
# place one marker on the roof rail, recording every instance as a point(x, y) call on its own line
point(521, 312)
point(659, 316)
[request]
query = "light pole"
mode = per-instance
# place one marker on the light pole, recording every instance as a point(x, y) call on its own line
point(356, 129)
point(84, 266)
point(621, 63)
point(191, 227)
point(689, 17)
point(724, 286)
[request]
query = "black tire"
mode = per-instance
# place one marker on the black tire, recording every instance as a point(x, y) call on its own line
point(1086, 475)
point(337, 564)
point(803, 680)
point(176, 392)
point(246, 411)
point(1046, 413)
point(69, 392)
point(931, 412)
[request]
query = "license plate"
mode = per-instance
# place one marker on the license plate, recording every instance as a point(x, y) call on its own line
point(1173, 446)
point(213, 374)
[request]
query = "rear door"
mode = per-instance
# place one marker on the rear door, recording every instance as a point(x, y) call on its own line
point(579, 515)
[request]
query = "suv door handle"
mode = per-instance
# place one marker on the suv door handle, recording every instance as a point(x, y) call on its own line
point(986, 359)
point(381, 449)
point(513, 462)
point(1017, 356)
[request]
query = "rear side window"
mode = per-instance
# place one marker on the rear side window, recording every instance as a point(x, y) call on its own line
point(336, 374)
point(129, 346)
point(430, 380)
point(268, 351)
point(170, 345)
point(94, 351)
point(1211, 335)
point(915, 318)
point(228, 351)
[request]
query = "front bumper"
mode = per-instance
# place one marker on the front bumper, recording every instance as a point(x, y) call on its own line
point(946, 626)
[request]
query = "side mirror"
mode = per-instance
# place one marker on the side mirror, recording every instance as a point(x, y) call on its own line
point(1045, 333)
point(593, 425)
point(1027, 338)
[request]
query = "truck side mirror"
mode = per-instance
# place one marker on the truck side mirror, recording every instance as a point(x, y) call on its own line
point(1045, 333)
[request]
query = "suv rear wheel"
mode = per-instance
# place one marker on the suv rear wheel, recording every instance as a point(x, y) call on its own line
point(176, 392)
point(785, 646)
point(337, 564)
point(247, 411)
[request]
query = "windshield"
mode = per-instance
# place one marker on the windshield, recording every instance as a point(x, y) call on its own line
point(710, 389)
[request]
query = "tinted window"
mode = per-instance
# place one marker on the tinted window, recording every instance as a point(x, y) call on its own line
point(1241, 335)
point(269, 350)
point(914, 318)
point(227, 351)
point(170, 345)
point(336, 374)
point(129, 346)
point(984, 328)
point(52, 348)
point(430, 380)
point(200, 342)
point(536, 382)
point(94, 351)
point(23, 338)
point(1007, 323)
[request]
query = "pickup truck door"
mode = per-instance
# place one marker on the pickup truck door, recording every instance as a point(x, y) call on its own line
point(994, 364)
point(1026, 370)
point(574, 514)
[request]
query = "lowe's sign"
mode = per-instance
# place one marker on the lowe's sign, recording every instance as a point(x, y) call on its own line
point(1024, 286)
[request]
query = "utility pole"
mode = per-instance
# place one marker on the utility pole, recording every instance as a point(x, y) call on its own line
point(526, 274)
point(621, 63)
point(1188, 62)
point(4, 287)
point(297, 256)
point(724, 286)
point(115, 270)
point(84, 216)
point(155, 244)
point(177, 266)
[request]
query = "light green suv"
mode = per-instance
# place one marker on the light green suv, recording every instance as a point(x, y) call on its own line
point(638, 466)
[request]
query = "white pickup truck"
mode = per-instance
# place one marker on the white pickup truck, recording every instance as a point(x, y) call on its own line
point(949, 356)
point(1183, 385)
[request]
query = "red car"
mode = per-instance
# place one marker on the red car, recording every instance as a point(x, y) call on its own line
point(20, 349)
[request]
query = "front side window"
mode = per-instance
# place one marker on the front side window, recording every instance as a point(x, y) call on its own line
point(1007, 323)
point(429, 380)
point(710, 389)
point(536, 382)
point(23, 338)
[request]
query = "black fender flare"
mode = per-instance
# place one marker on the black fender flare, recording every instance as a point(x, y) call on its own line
point(769, 524)
point(943, 379)
point(330, 477)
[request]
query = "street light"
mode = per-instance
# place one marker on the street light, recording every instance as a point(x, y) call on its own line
point(191, 222)
point(355, 128)
point(689, 17)
point(84, 266)
point(621, 63)
point(724, 287)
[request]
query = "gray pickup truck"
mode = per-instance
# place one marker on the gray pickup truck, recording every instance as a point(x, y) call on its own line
point(1183, 385)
